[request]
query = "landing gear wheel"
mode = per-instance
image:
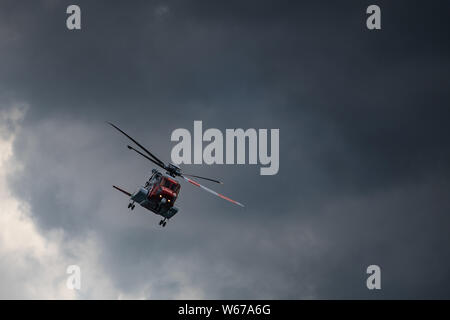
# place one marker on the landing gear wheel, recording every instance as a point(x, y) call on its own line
point(164, 223)
point(132, 207)
point(129, 205)
point(161, 222)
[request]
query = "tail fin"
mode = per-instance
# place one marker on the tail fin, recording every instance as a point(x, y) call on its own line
point(127, 193)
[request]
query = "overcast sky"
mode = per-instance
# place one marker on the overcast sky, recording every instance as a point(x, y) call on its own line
point(364, 148)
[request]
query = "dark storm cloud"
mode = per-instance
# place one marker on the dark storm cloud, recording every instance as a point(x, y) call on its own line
point(363, 139)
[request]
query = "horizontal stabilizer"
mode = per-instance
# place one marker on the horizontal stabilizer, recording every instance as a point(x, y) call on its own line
point(127, 193)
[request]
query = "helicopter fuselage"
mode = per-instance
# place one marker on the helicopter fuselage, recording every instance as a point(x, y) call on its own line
point(158, 194)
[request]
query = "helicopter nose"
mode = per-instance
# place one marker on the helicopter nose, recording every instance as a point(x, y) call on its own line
point(168, 193)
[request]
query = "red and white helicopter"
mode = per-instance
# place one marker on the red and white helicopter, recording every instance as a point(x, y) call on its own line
point(162, 189)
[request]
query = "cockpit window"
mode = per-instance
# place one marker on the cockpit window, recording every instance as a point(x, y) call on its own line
point(166, 183)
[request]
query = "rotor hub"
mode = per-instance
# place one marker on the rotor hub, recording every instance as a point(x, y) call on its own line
point(173, 170)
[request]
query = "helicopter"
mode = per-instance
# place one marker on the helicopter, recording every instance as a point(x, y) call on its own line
point(161, 190)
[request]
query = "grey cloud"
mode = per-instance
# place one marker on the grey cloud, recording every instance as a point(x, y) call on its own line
point(363, 141)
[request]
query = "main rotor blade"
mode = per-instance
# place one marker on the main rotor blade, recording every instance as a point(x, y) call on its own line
point(209, 179)
point(211, 191)
point(141, 146)
point(145, 156)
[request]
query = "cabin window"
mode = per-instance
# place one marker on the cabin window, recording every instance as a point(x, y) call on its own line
point(166, 183)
